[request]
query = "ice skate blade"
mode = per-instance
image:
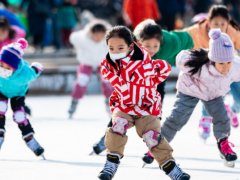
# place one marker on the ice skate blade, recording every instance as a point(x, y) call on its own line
point(230, 164)
point(43, 156)
point(92, 153)
point(144, 164)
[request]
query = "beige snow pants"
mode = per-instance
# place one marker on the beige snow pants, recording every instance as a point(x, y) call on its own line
point(115, 143)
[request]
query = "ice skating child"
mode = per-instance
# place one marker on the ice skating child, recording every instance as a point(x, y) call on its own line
point(91, 49)
point(135, 101)
point(15, 76)
point(159, 44)
point(8, 33)
point(206, 76)
point(218, 17)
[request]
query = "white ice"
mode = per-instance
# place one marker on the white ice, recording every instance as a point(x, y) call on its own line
point(67, 144)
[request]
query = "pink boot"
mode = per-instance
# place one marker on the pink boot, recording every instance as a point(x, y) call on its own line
point(204, 127)
point(232, 116)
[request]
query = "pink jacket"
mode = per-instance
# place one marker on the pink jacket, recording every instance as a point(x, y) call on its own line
point(210, 84)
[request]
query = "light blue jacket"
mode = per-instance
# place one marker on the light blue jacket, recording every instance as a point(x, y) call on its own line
point(17, 84)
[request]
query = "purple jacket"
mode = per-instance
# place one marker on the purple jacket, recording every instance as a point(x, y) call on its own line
point(210, 84)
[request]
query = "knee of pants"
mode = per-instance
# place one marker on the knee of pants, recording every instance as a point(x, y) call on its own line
point(151, 138)
point(3, 107)
point(162, 152)
point(83, 79)
point(20, 117)
point(120, 125)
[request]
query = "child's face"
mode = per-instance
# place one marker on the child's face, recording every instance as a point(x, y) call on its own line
point(118, 45)
point(98, 36)
point(223, 68)
point(5, 66)
point(3, 34)
point(152, 45)
point(218, 22)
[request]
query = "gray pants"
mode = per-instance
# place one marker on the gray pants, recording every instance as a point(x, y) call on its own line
point(182, 110)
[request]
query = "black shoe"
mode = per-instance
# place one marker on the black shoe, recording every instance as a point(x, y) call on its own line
point(73, 107)
point(110, 167)
point(173, 171)
point(147, 159)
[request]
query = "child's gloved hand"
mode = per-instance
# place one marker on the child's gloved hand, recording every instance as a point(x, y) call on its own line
point(37, 66)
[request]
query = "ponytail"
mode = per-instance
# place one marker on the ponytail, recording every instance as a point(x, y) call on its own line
point(199, 57)
point(234, 24)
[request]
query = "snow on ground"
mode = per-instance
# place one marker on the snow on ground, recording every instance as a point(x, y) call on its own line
point(67, 144)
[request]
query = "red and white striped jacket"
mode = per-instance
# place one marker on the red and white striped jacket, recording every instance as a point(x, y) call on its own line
point(134, 80)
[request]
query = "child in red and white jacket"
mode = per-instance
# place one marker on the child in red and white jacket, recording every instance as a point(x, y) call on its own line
point(135, 101)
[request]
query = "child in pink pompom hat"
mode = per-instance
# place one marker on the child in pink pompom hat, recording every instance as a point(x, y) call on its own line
point(15, 76)
point(206, 75)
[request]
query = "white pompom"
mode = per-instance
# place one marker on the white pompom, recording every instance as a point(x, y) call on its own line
point(215, 33)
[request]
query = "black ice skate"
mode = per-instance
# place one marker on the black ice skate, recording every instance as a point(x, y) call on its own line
point(229, 157)
point(2, 132)
point(34, 145)
point(173, 171)
point(111, 166)
point(99, 147)
point(73, 108)
point(147, 159)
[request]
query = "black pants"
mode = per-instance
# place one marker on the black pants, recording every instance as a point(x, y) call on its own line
point(160, 89)
point(16, 104)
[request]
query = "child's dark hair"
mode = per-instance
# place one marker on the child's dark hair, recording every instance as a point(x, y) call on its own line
point(151, 31)
point(220, 10)
point(121, 32)
point(5, 25)
point(98, 28)
point(199, 57)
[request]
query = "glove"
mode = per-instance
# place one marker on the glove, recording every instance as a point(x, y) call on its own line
point(37, 66)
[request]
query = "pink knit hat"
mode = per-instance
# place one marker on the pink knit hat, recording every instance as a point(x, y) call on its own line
point(221, 48)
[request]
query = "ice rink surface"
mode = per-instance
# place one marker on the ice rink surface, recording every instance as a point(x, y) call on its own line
point(67, 144)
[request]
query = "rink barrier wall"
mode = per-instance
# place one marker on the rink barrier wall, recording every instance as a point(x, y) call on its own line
point(59, 76)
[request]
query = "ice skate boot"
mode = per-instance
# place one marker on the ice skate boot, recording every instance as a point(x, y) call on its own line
point(110, 167)
point(99, 147)
point(34, 145)
point(27, 110)
point(173, 171)
point(2, 133)
point(73, 107)
point(229, 157)
point(233, 117)
point(204, 128)
point(147, 159)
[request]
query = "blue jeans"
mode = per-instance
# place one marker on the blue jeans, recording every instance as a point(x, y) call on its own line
point(235, 91)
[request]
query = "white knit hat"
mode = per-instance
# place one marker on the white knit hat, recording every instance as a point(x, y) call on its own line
point(221, 48)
